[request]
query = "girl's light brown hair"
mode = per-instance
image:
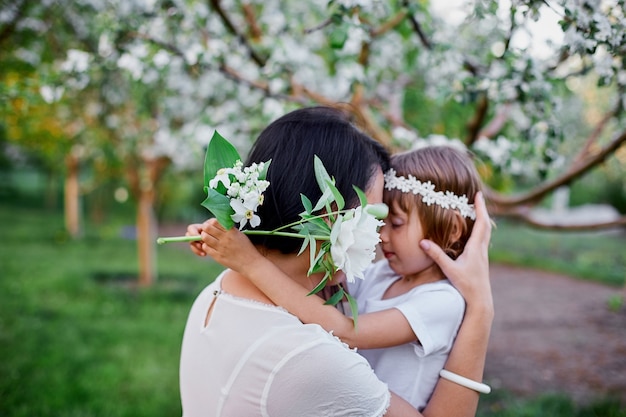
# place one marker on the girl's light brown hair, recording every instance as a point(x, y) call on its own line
point(449, 169)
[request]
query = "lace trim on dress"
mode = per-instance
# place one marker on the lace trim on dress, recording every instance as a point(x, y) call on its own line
point(388, 404)
point(344, 344)
point(248, 300)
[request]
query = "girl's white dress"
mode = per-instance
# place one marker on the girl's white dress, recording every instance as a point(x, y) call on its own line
point(434, 312)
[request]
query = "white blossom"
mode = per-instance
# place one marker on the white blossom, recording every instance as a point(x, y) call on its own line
point(76, 60)
point(353, 239)
point(244, 213)
point(51, 94)
point(132, 64)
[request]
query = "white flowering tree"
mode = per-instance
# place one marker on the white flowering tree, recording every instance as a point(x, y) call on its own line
point(163, 74)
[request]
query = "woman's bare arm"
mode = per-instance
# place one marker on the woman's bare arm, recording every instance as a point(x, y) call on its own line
point(470, 275)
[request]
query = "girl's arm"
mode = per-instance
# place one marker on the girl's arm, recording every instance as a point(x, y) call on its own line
point(234, 250)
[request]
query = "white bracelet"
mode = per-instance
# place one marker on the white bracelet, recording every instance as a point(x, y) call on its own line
point(466, 382)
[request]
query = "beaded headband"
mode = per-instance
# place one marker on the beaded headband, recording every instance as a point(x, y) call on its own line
point(447, 200)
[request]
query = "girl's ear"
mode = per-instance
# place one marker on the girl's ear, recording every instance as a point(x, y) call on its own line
point(457, 227)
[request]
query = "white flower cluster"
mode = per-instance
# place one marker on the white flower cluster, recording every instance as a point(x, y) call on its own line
point(353, 239)
point(245, 190)
point(447, 200)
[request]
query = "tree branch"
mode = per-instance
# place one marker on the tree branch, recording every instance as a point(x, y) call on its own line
point(475, 124)
point(576, 170)
point(365, 117)
point(418, 29)
point(231, 27)
point(255, 30)
point(390, 24)
point(529, 220)
point(497, 122)
point(595, 134)
point(321, 26)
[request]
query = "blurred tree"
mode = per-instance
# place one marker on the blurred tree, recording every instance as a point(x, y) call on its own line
point(162, 74)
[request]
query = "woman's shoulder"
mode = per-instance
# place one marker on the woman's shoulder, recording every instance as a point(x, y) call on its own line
point(213, 287)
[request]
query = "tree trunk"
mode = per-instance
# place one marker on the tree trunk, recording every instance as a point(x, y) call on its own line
point(146, 236)
point(71, 202)
point(143, 177)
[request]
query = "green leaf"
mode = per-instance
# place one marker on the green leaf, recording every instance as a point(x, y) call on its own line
point(312, 248)
point(325, 200)
point(319, 286)
point(338, 37)
point(323, 179)
point(305, 243)
point(314, 225)
point(336, 297)
point(263, 174)
point(361, 194)
point(219, 206)
point(321, 175)
point(378, 210)
point(219, 154)
point(338, 197)
point(354, 308)
point(308, 206)
point(318, 226)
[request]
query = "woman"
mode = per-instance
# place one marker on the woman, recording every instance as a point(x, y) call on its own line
point(244, 356)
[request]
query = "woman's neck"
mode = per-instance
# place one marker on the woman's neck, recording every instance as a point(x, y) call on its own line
point(295, 267)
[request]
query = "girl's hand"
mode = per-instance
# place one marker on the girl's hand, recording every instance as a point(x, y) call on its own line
point(196, 247)
point(231, 248)
point(469, 273)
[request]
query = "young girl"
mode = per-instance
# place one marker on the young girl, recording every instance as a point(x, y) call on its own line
point(409, 313)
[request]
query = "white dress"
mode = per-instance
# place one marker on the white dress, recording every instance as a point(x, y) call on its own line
point(254, 359)
point(434, 312)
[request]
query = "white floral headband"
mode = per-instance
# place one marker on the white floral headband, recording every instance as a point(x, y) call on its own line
point(447, 200)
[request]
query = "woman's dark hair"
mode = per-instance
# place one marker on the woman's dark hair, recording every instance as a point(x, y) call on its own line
point(291, 142)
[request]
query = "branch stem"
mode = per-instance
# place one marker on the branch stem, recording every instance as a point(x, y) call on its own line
point(196, 238)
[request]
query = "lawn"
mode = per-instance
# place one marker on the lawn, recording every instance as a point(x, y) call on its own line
point(593, 256)
point(78, 339)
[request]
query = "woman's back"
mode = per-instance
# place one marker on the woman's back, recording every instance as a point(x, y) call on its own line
point(250, 354)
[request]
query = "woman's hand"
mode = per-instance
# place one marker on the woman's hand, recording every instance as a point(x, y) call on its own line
point(469, 273)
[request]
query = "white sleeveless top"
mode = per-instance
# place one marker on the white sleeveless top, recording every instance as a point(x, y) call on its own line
point(254, 359)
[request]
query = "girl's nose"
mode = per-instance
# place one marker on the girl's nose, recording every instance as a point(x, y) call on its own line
point(384, 234)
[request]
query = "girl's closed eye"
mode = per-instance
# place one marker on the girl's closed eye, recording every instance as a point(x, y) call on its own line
point(396, 222)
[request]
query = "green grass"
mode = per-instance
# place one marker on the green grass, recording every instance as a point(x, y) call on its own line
point(74, 345)
point(503, 404)
point(77, 340)
point(597, 256)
